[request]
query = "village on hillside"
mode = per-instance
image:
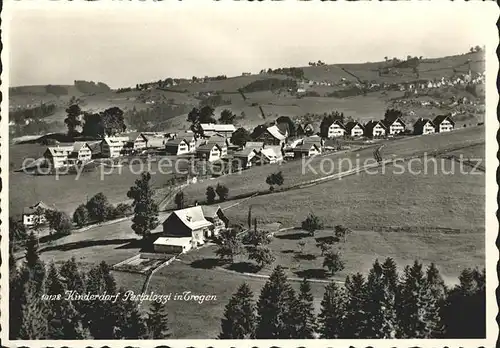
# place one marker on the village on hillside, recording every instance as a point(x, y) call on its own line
point(213, 204)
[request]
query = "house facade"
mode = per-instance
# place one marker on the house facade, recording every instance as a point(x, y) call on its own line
point(81, 152)
point(424, 126)
point(177, 146)
point(443, 123)
point(272, 136)
point(211, 129)
point(243, 159)
point(216, 216)
point(395, 126)
point(355, 129)
point(336, 129)
point(188, 222)
point(58, 155)
point(210, 152)
point(306, 150)
point(112, 147)
point(140, 142)
point(35, 213)
point(375, 129)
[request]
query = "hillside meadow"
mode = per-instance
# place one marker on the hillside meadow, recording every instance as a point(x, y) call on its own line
point(298, 171)
point(66, 192)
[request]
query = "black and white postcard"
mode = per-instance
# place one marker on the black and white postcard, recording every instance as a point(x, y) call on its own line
point(307, 173)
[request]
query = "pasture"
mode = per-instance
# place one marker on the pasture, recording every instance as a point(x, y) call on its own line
point(297, 171)
point(66, 192)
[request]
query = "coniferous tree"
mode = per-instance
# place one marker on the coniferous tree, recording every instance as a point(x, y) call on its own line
point(129, 322)
point(380, 306)
point(239, 315)
point(467, 297)
point(304, 312)
point(355, 318)
point(418, 310)
point(145, 208)
point(100, 317)
point(62, 317)
point(331, 317)
point(157, 321)
point(72, 277)
point(34, 316)
point(33, 265)
point(274, 308)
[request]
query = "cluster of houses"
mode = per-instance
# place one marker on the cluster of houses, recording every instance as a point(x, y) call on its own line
point(395, 126)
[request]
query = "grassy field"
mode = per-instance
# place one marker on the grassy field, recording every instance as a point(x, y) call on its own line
point(189, 319)
point(254, 178)
point(66, 192)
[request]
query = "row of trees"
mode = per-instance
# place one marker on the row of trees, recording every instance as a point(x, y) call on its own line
point(90, 87)
point(106, 123)
point(416, 304)
point(39, 307)
point(99, 209)
point(254, 244)
point(269, 84)
point(297, 73)
point(36, 113)
point(220, 190)
point(152, 117)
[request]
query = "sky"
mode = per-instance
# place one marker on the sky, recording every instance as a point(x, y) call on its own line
point(123, 43)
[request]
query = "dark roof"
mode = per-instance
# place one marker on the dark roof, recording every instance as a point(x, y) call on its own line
point(207, 147)
point(439, 119)
point(421, 122)
point(245, 152)
point(371, 124)
point(389, 122)
point(350, 125)
point(305, 147)
point(175, 142)
point(33, 208)
point(340, 124)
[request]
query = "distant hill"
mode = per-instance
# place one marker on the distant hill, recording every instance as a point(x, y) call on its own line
point(333, 88)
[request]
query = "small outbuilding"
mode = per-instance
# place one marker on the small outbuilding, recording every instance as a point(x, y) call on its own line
point(173, 245)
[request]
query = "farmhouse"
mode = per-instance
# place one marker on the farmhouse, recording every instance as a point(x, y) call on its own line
point(210, 129)
point(113, 146)
point(315, 139)
point(210, 152)
point(243, 159)
point(221, 141)
point(424, 126)
point(336, 129)
point(443, 123)
point(30, 214)
point(258, 145)
point(139, 142)
point(216, 216)
point(176, 245)
point(375, 129)
point(272, 136)
point(306, 150)
point(178, 146)
point(308, 129)
point(395, 126)
point(269, 155)
point(188, 222)
point(81, 152)
point(58, 155)
point(354, 129)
